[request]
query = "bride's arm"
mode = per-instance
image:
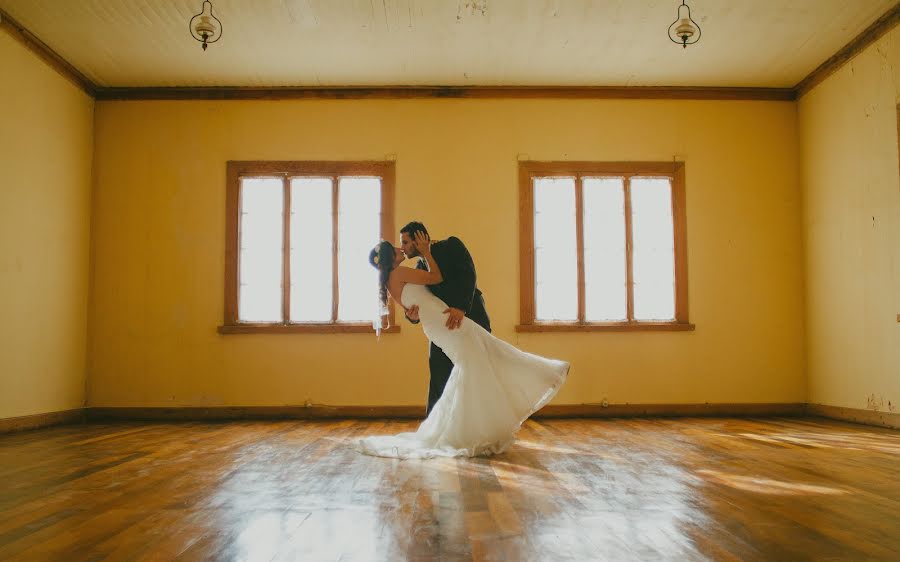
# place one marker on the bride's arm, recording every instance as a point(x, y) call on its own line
point(419, 276)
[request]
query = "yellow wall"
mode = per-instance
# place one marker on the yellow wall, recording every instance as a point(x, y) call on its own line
point(851, 193)
point(159, 245)
point(46, 142)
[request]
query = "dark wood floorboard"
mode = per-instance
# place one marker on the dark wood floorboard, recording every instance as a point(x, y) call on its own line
point(617, 489)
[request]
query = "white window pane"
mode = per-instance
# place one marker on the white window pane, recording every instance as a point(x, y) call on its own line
point(261, 195)
point(606, 297)
point(555, 249)
point(260, 303)
point(653, 238)
point(654, 302)
point(260, 243)
point(311, 250)
point(261, 268)
point(359, 225)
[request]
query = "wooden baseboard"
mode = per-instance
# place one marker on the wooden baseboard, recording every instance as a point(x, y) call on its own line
point(855, 415)
point(316, 411)
point(21, 423)
point(671, 410)
point(417, 412)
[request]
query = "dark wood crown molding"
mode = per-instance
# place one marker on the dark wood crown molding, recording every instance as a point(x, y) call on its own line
point(859, 43)
point(447, 92)
point(45, 53)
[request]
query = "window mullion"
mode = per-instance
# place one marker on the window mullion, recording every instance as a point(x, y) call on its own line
point(629, 259)
point(286, 255)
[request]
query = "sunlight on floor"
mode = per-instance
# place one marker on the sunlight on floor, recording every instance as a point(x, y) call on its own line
point(768, 486)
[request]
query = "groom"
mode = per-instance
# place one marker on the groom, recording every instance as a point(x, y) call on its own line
point(458, 290)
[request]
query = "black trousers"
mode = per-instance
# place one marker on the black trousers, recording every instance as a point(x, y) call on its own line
point(438, 362)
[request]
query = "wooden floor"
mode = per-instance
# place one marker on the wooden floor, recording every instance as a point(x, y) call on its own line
point(636, 489)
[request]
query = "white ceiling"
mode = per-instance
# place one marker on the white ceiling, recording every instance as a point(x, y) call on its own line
point(762, 43)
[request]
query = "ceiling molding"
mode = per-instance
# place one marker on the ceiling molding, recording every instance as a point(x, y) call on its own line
point(45, 53)
point(871, 34)
point(449, 92)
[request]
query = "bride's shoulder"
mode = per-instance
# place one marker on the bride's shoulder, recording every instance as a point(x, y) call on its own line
point(401, 272)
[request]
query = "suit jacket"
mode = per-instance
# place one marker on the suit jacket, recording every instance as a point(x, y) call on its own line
point(458, 289)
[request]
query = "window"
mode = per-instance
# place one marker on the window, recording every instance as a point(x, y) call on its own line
point(603, 246)
point(298, 236)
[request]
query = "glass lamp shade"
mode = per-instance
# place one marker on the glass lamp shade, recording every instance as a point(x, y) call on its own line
point(205, 27)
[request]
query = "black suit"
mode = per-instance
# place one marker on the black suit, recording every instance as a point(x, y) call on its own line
point(458, 290)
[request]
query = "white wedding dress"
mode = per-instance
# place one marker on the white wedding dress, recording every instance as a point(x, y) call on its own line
point(492, 390)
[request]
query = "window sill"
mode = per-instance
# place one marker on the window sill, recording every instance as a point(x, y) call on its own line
point(303, 329)
point(610, 327)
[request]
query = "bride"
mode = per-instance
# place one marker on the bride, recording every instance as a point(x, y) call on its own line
point(493, 388)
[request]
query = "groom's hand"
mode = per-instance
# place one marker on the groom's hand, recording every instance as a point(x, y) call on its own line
point(455, 318)
point(412, 313)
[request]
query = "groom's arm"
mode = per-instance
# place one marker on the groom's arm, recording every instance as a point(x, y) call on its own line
point(459, 280)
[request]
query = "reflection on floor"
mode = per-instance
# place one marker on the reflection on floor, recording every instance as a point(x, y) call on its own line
point(627, 489)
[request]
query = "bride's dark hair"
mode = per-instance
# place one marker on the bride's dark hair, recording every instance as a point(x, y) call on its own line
point(382, 258)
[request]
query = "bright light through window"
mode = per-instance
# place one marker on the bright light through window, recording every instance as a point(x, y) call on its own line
point(297, 245)
point(609, 246)
point(260, 259)
point(555, 250)
point(654, 249)
point(359, 223)
point(311, 249)
point(605, 262)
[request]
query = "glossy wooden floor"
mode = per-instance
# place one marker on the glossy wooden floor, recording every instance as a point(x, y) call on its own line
point(637, 489)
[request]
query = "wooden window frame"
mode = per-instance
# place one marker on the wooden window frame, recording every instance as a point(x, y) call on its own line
point(235, 170)
point(528, 170)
